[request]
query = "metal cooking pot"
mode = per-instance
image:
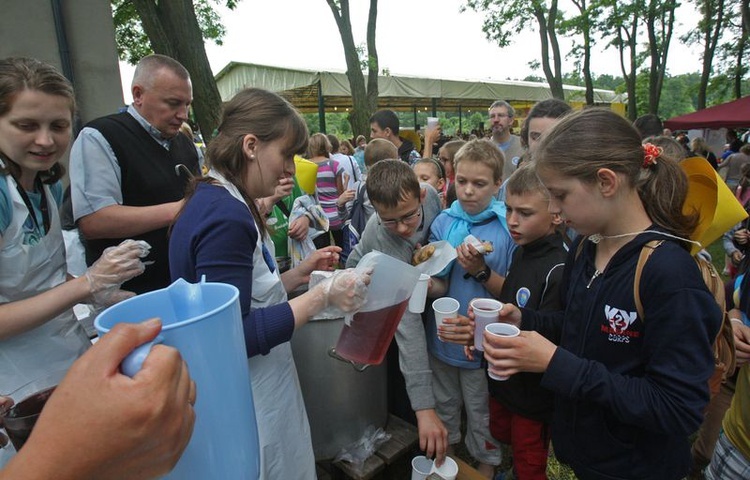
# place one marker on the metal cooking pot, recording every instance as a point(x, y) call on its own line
point(341, 399)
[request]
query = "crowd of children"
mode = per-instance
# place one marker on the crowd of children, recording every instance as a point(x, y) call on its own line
point(598, 381)
point(607, 386)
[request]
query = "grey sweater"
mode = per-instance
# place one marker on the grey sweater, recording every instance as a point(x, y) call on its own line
point(410, 335)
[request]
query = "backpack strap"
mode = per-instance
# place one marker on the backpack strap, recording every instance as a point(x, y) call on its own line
point(646, 252)
point(283, 207)
point(354, 169)
point(723, 345)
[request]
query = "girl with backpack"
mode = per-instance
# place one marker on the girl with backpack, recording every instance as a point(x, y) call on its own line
point(629, 389)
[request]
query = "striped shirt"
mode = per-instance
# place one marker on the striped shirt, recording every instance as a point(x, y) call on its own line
point(328, 192)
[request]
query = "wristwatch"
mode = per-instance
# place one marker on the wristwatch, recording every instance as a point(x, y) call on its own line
point(483, 275)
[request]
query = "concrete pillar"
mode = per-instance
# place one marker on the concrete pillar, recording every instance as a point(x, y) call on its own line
point(27, 28)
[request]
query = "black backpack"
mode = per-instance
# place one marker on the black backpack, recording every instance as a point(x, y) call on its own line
point(354, 227)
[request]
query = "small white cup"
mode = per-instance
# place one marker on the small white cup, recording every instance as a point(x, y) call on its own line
point(432, 122)
point(445, 307)
point(448, 470)
point(419, 295)
point(486, 311)
point(421, 467)
point(501, 330)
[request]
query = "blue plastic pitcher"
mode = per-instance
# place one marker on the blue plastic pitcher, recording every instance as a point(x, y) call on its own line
point(203, 321)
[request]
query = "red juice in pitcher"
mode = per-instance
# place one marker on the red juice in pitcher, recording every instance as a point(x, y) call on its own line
point(367, 339)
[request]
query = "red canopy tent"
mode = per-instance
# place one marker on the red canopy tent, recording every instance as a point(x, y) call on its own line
point(735, 114)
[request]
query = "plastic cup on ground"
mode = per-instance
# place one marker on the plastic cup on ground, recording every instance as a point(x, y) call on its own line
point(447, 471)
point(486, 311)
point(501, 330)
point(421, 467)
point(419, 295)
point(445, 307)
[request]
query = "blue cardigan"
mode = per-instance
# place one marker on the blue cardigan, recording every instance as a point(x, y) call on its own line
point(215, 236)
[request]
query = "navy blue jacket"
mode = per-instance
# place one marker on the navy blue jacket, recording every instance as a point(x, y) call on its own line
point(629, 392)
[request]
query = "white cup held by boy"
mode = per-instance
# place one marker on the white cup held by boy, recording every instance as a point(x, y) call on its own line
point(447, 471)
point(500, 330)
point(486, 311)
point(419, 295)
point(445, 307)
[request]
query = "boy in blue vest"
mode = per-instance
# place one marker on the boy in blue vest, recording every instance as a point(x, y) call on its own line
point(457, 380)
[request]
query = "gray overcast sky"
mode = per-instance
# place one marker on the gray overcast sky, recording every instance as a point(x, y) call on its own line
point(425, 38)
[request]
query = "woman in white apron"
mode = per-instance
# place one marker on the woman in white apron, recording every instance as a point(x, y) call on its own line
point(221, 234)
point(38, 331)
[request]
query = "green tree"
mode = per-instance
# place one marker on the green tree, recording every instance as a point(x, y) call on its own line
point(176, 28)
point(710, 28)
point(621, 24)
point(659, 22)
point(503, 18)
point(732, 53)
point(584, 24)
point(364, 97)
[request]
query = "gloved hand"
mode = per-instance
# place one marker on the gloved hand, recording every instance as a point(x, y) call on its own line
point(346, 289)
point(116, 266)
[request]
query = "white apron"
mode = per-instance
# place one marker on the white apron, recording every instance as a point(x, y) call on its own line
point(283, 428)
point(25, 271)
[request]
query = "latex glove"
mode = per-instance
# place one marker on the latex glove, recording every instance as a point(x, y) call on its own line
point(107, 298)
point(116, 266)
point(346, 289)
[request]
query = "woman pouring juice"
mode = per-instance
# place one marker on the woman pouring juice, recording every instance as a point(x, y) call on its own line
point(220, 234)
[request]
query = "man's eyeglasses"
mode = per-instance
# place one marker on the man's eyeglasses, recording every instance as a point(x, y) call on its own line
point(408, 219)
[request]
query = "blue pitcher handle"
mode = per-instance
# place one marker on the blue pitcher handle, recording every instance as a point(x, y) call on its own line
point(133, 363)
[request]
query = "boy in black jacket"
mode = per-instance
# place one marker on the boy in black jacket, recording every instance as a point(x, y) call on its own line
point(521, 410)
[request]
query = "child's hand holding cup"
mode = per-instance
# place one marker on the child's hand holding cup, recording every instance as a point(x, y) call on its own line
point(500, 330)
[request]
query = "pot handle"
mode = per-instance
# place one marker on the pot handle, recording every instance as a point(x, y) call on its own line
point(360, 367)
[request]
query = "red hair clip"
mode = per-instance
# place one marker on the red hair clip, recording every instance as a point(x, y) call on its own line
point(650, 153)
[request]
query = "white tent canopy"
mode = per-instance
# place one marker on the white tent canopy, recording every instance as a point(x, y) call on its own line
point(310, 90)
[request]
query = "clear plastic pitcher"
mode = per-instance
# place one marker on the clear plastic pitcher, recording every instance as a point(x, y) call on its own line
point(365, 337)
point(203, 321)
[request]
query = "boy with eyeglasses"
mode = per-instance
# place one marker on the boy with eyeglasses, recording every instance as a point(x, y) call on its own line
point(404, 210)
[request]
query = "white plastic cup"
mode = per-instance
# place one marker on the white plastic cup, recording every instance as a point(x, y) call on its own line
point(432, 122)
point(445, 307)
point(419, 295)
point(448, 470)
point(421, 467)
point(486, 311)
point(501, 330)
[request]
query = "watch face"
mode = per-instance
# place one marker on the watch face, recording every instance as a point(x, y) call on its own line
point(483, 275)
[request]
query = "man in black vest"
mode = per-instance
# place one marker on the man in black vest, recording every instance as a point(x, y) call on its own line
point(128, 171)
